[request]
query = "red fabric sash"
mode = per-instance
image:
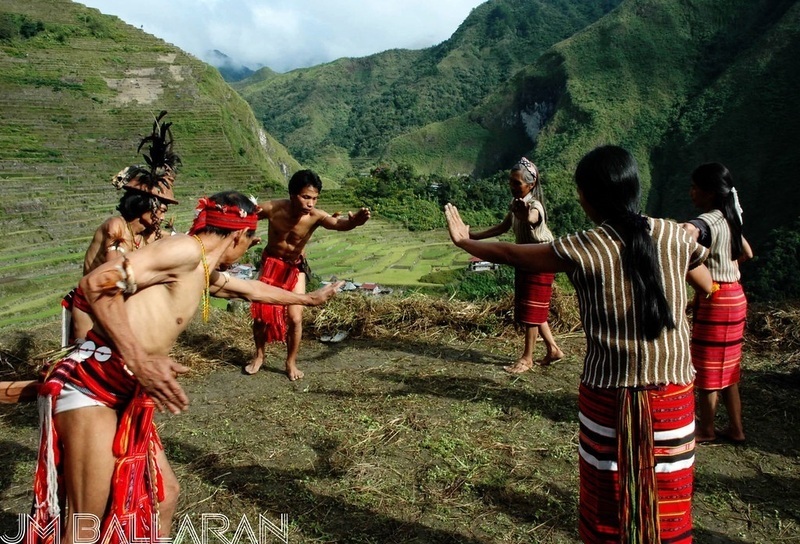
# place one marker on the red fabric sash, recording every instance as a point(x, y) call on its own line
point(278, 273)
point(137, 485)
point(76, 299)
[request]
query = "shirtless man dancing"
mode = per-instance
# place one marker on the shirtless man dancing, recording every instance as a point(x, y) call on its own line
point(98, 435)
point(292, 221)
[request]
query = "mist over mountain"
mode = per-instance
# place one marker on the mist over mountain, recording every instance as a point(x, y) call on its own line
point(230, 69)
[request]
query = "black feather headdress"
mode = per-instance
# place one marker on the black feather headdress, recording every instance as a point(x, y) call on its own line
point(157, 177)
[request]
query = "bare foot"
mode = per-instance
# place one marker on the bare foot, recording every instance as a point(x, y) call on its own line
point(253, 366)
point(550, 358)
point(522, 365)
point(702, 438)
point(294, 373)
point(729, 436)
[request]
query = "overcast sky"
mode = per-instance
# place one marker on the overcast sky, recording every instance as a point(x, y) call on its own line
point(288, 34)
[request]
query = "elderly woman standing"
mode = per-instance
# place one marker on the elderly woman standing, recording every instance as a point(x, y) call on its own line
point(532, 292)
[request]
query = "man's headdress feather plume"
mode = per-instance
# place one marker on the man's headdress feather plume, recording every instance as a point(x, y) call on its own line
point(161, 160)
point(157, 177)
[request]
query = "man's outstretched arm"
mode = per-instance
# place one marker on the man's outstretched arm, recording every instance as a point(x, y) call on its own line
point(353, 220)
point(225, 286)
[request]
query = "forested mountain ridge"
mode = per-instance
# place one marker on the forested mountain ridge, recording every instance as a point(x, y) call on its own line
point(339, 116)
point(678, 83)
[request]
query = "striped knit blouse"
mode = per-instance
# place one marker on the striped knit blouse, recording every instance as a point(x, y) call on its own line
point(617, 354)
point(722, 267)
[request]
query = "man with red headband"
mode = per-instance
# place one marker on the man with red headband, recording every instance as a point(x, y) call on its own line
point(292, 221)
point(99, 446)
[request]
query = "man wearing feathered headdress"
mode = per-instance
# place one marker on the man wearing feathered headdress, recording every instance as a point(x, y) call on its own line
point(148, 193)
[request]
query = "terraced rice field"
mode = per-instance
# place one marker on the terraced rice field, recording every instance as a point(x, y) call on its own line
point(383, 253)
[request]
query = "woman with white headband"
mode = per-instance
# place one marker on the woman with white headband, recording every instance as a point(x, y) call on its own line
point(719, 318)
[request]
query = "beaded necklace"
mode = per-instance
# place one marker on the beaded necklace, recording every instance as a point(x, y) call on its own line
point(206, 298)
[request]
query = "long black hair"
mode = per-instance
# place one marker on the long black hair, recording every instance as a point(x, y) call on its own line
point(608, 177)
point(716, 179)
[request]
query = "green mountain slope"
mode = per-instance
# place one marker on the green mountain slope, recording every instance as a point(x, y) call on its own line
point(77, 92)
point(747, 118)
point(677, 83)
point(339, 116)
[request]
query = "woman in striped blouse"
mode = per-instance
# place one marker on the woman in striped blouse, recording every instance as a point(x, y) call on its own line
point(718, 328)
point(636, 399)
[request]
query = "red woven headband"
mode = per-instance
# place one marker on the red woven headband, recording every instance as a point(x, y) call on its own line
point(210, 214)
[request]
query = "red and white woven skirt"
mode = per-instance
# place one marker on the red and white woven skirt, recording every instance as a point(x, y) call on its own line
point(671, 409)
point(717, 335)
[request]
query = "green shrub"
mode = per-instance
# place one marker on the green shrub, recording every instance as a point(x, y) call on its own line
point(14, 26)
point(774, 274)
point(476, 286)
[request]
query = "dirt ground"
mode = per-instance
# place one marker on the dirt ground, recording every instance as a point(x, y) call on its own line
point(413, 440)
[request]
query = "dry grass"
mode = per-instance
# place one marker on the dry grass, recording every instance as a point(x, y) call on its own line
point(776, 328)
point(430, 317)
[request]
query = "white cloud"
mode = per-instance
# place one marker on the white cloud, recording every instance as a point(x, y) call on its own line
point(288, 34)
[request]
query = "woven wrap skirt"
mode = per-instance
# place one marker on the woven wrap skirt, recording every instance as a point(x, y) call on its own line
point(670, 462)
point(717, 337)
point(532, 293)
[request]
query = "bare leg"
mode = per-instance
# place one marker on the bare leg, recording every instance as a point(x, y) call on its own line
point(554, 352)
point(294, 332)
point(733, 404)
point(166, 508)
point(260, 340)
point(707, 408)
point(524, 363)
point(88, 437)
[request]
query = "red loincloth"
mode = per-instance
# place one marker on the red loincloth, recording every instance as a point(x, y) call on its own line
point(278, 273)
point(717, 336)
point(656, 428)
point(137, 485)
